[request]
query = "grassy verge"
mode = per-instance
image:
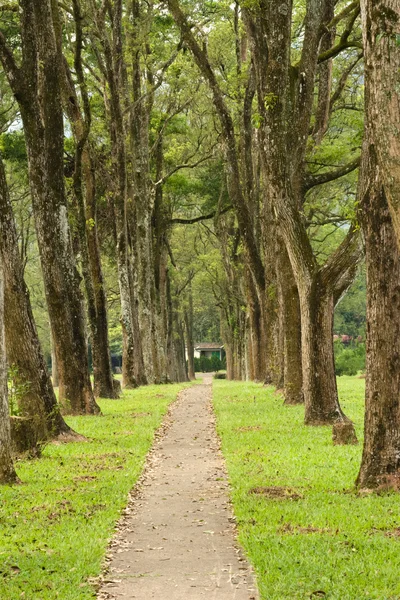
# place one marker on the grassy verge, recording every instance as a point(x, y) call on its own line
point(55, 527)
point(321, 540)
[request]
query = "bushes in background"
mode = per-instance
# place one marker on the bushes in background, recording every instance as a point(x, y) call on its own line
point(208, 365)
point(349, 360)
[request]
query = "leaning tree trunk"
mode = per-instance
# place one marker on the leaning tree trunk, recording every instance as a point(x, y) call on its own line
point(7, 473)
point(380, 465)
point(38, 400)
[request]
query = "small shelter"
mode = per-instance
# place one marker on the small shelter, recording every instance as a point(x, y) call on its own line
point(209, 350)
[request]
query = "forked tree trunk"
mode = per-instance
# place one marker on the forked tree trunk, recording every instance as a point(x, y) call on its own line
point(23, 347)
point(380, 464)
point(7, 472)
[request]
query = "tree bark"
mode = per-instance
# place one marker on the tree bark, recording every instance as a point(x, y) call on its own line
point(22, 342)
point(7, 472)
point(380, 464)
point(381, 23)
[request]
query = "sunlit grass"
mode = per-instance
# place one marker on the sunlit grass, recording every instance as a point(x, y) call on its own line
point(330, 541)
point(55, 526)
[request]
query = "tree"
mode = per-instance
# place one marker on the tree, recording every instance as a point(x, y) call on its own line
point(23, 347)
point(283, 148)
point(380, 464)
point(36, 85)
point(84, 187)
point(285, 103)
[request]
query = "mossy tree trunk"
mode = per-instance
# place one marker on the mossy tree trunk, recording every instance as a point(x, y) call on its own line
point(37, 399)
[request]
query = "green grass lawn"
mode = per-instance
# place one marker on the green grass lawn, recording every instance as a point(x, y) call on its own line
point(327, 543)
point(55, 526)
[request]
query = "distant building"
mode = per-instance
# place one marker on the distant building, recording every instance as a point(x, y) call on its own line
point(208, 350)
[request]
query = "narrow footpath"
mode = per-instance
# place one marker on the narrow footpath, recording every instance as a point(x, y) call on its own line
point(177, 541)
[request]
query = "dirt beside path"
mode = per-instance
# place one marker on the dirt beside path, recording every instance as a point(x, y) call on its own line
point(177, 542)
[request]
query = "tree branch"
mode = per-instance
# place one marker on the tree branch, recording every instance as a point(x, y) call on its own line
point(343, 43)
point(201, 217)
point(344, 13)
point(9, 64)
point(342, 260)
point(183, 166)
point(311, 181)
point(226, 120)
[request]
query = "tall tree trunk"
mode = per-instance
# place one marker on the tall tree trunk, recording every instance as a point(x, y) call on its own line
point(37, 87)
point(380, 464)
point(23, 347)
point(132, 357)
point(85, 194)
point(104, 384)
point(7, 472)
point(144, 200)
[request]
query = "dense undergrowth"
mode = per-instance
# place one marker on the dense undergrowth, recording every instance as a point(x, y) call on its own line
point(321, 540)
point(55, 526)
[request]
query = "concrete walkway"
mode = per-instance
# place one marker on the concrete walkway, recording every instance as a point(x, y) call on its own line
point(177, 541)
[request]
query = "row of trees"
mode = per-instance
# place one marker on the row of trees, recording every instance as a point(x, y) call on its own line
point(305, 72)
point(244, 122)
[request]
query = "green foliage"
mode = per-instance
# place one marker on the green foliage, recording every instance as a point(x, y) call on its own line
point(270, 100)
point(350, 360)
point(350, 313)
point(55, 528)
point(12, 146)
point(330, 540)
point(209, 365)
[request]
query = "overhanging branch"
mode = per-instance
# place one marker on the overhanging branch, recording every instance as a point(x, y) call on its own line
point(311, 181)
point(201, 217)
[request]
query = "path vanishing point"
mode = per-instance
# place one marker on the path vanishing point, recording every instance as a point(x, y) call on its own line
point(177, 539)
